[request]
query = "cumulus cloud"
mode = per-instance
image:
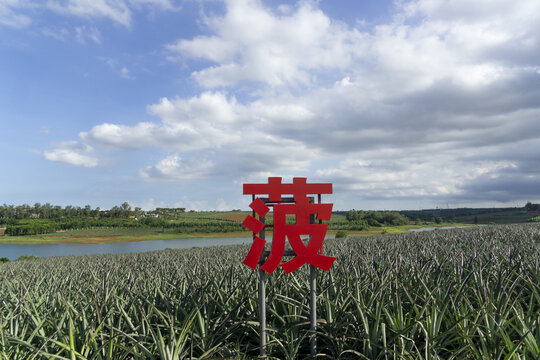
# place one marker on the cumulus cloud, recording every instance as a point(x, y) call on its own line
point(83, 34)
point(10, 15)
point(61, 34)
point(14, 13)
point(117, 11)
point(202, 122)
point(125, 73)
point(239, 138)
point(72, 153)
point(253, 44)
point(173, 167)
point(438, 103)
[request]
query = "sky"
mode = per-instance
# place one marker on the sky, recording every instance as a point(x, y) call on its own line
point(177, 103)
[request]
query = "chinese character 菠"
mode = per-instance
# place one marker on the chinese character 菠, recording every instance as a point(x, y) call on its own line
point(303, 209)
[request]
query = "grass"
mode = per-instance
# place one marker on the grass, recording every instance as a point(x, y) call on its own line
point(500, 217)
point(122, 234)
point(455, 294)
point(100, 238)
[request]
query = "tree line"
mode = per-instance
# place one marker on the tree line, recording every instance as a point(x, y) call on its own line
point(532, 207)
point(48, 211)
point(46, 219)
point(362, 220)
point(46, 226)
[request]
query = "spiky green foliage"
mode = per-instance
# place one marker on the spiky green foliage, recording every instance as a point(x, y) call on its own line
point(455, 294)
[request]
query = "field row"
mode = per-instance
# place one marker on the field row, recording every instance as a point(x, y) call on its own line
point(453, 294)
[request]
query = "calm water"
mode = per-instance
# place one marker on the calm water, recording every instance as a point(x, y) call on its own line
point(13, 251)
point(442, 228)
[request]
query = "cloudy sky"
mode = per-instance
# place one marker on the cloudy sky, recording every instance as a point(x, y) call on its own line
point(399, 104)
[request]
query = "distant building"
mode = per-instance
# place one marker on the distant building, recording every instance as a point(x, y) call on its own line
point(2, 231)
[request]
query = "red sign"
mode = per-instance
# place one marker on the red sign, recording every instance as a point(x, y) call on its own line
point(301, 206)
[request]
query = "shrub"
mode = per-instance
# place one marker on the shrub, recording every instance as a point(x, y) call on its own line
point(27, 257)
point(341, 234)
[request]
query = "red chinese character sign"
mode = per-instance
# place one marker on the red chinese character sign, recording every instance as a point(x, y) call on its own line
point(303, 209)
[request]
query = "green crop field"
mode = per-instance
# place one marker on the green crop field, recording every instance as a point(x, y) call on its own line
point(447, 294)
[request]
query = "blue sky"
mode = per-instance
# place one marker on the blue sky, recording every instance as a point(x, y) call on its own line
point(401, 105)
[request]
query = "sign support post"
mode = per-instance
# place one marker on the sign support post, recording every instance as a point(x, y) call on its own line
point(262, 298)
point(262, 313)
point(311, 253)
point(313, 307)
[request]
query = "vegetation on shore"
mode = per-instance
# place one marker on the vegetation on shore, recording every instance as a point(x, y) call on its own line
point(55, 224)
point(461, 293)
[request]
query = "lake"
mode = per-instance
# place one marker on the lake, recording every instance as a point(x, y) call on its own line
point(13, 251)
point(442, 228)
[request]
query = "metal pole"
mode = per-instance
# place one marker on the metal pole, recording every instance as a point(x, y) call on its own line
point(313, 300)
point(262, 301)
point(262, 313)
point(313, 306)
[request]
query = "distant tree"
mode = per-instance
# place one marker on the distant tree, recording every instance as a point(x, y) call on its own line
point(115, 212)
point(46, 211)
point(532, 207)
point(352, 215)
point(27, 257)
point(87, 210)
point(37, 209)
point(125, 209)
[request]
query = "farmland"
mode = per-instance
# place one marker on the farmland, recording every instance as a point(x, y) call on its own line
point(49, 224)
point(80, 227)
point(462, 294)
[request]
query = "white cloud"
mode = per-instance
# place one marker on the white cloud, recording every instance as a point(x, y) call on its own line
point(14, 13)
point(163, 4)
point(253, 44)
point(61, 34)
point(412, 108)
point(73, 153)
point(10, 17)
point(117, 66)
point(124, 72)
point(197, 205)
point(390, 174)
point(208, 121)
point(173, 167)
point(121, 136)
point(149, 204)
point(117, 11)
point(222, 205)
point(213, 124)
point(82, 34)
